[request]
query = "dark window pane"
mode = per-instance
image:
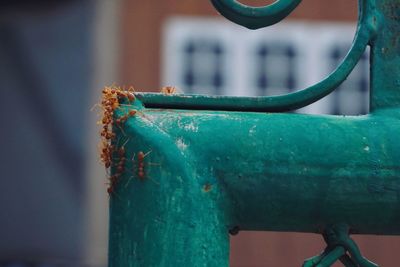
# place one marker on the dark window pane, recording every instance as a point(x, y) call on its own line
point(203, 63)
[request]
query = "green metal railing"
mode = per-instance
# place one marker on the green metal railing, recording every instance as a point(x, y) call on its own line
point(189, 169)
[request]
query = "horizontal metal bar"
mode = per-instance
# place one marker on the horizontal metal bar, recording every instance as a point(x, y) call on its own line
point(207, 172)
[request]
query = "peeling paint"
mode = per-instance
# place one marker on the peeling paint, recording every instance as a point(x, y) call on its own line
point(191, 127)
point(181, 144)
point(252, 130)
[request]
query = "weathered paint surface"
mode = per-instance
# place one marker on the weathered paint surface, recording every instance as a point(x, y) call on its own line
point(210, 167)
point(210, 171)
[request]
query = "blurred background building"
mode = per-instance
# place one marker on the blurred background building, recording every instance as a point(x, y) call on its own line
point(56, 57)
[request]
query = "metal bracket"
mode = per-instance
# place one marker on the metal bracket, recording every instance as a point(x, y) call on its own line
point(340, 247)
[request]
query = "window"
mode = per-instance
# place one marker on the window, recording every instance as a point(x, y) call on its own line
point(351, 98)
point(202, 67)
point(275, 68)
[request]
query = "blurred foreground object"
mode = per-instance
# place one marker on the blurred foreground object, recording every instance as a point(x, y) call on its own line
point(45, 76)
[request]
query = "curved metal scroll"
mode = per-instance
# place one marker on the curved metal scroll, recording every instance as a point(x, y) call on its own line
point(366, 30)
point(255, 17)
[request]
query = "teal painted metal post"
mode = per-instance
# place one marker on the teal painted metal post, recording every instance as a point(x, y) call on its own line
point(195, 168)
point(385, 56)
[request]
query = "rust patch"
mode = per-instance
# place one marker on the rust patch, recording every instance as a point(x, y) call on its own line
point(207, 188)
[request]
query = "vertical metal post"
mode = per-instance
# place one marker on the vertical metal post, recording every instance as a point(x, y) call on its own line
point(385, 55)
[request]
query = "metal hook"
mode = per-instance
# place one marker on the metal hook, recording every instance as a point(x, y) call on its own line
point(255, 17)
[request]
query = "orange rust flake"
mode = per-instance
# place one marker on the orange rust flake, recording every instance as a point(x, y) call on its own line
point(207, 188)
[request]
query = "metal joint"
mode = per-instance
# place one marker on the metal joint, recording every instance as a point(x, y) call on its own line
point(339, 247)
